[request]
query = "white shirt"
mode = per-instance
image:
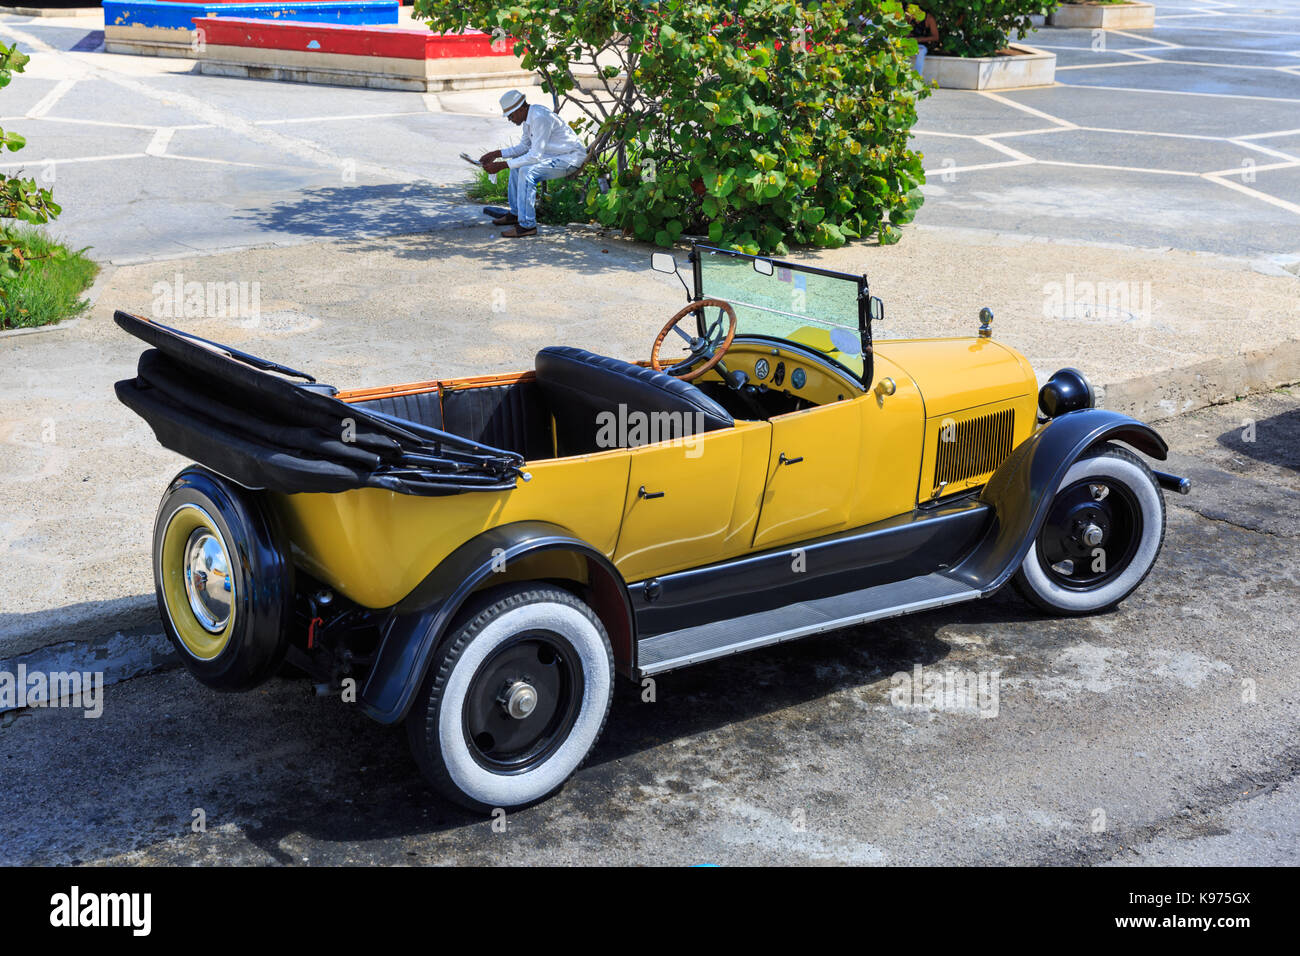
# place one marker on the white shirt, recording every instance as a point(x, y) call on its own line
point(546, 136)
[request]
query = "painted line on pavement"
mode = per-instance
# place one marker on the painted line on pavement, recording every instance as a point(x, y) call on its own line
point(47, 101)
point(161, 140)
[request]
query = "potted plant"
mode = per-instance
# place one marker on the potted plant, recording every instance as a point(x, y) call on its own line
point(974, 49)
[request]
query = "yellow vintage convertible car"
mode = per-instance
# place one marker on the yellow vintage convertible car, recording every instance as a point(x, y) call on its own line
point(479, 557)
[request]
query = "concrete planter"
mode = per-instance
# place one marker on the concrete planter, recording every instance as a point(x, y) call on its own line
point(355, 55)
point(366, 72)
point(1029, 67)
point(165, 27)
point(1104, 16)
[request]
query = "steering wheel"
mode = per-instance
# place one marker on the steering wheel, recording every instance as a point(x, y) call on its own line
point(712, 345)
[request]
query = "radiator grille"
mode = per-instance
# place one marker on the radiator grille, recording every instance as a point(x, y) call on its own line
point(973, 447)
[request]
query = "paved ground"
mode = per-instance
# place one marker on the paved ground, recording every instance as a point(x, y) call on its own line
point(1183, 136)
point(1162, 732)
point(1186, 135)
point(288, 189)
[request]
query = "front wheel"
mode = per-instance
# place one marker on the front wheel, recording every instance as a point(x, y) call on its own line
point(1101, 537)
point(514, 700)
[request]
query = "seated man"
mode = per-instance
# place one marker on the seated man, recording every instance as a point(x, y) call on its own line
point(548, 149)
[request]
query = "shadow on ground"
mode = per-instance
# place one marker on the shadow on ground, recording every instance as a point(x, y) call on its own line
point(1275, 440)
point(351, 211)
point(275, 762)
point(422, 222)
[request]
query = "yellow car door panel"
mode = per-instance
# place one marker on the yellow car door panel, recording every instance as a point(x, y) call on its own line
point(690, 502)
point(812, 473)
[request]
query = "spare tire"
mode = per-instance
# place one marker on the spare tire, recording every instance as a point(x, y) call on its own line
point(223, 579)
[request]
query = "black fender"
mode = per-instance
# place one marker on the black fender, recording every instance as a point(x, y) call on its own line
point(1020, 491)
point(417, 624)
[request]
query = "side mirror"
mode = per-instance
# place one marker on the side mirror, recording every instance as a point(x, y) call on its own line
point(877, 309)
point(663, 262)
point(763, 267)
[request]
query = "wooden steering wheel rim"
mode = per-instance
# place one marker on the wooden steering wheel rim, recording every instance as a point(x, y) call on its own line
point(718, 353)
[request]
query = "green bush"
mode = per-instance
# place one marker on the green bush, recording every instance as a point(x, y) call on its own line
point(20, 198)
point(982, 27)
point(559, 201)
point(48, 287)
point(756, 123)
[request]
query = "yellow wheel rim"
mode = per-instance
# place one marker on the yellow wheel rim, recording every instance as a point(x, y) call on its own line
point(197, 583)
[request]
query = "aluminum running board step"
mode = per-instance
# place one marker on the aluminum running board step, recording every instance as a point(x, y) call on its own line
point(704, 642)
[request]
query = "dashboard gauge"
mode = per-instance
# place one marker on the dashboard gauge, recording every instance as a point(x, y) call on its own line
point(798, 378)
point(761, 368)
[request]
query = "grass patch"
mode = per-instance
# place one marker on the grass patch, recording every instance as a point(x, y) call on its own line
point(48, 289)
point(488, 188)
point(562, 201)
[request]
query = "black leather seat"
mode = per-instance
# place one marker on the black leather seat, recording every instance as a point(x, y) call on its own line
point(579, 385)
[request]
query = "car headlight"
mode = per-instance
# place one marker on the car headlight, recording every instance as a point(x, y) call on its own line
point(1066, 391)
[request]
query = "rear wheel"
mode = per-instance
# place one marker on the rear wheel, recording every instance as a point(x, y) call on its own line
point(222, 580)
point(1101, 537)
point(515, 698)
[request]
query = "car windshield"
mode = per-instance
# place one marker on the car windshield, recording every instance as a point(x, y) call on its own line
point(812, 307)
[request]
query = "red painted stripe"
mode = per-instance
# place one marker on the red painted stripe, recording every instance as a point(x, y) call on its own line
point(352, 39)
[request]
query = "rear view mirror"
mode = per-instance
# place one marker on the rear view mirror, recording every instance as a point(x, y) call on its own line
point(877, 309)
point(763, 266)
point(663, 262)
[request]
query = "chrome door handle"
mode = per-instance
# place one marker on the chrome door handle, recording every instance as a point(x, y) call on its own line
point(642, 493)
point(789, 461)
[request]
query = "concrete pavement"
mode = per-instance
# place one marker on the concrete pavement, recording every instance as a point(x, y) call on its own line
point(1182, 136)
point(1115, 239)
point(1162, 732)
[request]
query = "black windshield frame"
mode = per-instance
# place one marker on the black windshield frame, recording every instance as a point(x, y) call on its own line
point(699, 250)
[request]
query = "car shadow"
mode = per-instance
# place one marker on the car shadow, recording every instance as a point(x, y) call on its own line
point(278, 768)
point(689, 703)
point(1274, 441)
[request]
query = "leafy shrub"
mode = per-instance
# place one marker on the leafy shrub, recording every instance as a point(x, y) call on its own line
point(982, 27)
point(20, 198)
point(756, 123)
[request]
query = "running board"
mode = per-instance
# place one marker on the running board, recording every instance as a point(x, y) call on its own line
point(703, 642)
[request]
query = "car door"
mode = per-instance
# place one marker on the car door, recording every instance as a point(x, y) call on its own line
point(691, 502)
point(812, 473)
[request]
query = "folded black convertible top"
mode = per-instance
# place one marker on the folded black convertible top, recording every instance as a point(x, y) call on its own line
point(245, 418)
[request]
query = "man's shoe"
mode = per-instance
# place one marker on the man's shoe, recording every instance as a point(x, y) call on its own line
point(508, 220)
point(518, 232)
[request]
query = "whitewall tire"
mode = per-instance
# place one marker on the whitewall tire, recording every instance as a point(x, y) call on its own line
point(1103, 532)
point(515, 698)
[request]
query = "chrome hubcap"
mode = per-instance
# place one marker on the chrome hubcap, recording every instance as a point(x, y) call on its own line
point(519, 700)
point(207, 580)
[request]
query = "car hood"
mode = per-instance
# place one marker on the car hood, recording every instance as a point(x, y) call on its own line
point(958, 373)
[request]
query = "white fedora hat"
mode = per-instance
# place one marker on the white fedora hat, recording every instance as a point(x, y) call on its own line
point(511, 101)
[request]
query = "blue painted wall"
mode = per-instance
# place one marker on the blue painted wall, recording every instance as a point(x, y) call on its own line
point(177, 16)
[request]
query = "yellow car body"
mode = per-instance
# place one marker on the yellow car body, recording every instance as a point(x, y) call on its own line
point(827, 479)
point(867, 456)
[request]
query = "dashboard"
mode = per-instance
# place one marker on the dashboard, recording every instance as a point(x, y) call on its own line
point(777, 366)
